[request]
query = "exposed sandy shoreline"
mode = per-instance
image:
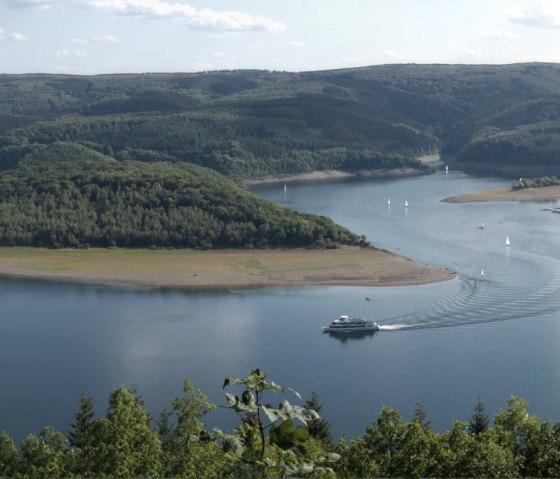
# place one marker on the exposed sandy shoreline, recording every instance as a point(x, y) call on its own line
point(222, 268)
point(329, 174)
point(548, 193)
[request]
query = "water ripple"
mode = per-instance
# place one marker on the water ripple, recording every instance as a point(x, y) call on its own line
point(519, 287)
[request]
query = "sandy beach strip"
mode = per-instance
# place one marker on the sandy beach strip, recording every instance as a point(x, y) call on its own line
point(548, 193)
point(319, 175)
point(219, 268)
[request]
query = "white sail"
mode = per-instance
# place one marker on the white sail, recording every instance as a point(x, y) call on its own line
point(406, 204)
point(389, 201)
point(482, 226)
point(507, 241)
point(482, 272)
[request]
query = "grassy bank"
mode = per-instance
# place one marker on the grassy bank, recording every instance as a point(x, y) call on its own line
point(228, 268)
point(549, 193)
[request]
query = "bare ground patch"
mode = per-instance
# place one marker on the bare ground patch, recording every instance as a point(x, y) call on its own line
point(548, 193)
point(187, 268)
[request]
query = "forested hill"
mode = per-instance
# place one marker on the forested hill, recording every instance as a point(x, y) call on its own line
point(248, 123)
point(64, 194)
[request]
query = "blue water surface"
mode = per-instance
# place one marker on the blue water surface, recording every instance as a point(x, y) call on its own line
point(446, 344)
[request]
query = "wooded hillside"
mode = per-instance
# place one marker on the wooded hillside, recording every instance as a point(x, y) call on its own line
point(109, 159)
point(65, 195)
point(249, 123)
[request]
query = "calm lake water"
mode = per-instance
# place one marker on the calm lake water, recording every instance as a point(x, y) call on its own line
point(446, 344)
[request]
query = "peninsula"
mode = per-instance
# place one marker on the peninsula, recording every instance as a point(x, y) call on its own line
point(347, 265)
point(547, 193)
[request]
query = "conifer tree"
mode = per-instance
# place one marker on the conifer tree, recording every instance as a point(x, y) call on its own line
point(81, 435)
point(421, 416)
point(125, 445)
point(479, 421)
point(319, 428)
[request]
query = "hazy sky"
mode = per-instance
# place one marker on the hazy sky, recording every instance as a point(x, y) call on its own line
point(108, 36)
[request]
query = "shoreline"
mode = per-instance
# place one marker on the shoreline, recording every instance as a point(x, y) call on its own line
point(321, 175)
point(547, 193)
point(345, 266)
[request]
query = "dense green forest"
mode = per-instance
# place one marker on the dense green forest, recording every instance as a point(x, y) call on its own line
point(66, 195)
point(541, 182)
point(109, 159)
point(284, 441)
point(251, 123)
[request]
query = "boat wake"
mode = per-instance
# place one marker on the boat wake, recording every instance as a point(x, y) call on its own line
point(515, 288)
point(393, 327)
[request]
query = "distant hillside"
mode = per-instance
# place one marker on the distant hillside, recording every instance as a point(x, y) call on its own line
point(65, 194)
point(250, 123)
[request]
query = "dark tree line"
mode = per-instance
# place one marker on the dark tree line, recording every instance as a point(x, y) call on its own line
point(540, 182)
point(249, 123)
point(101, 202)
point(126, 442)
point(234, 145)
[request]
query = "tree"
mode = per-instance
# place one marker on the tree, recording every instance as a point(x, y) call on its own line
point(514, 425)
point(535, 445)
point(542, 451)
point(166, 432)
point(400, 448)
point(463, 455)
point(188, 451)
point(417, 457)
point(125, 446)
point(421, 416)
point(356, 460)
point(81, 435)
point(385, 438)
point(478, 422)
point(8, 456)
point(45, 456)
point(319, 428)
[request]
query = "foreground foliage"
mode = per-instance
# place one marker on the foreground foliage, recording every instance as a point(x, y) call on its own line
point(287, 440)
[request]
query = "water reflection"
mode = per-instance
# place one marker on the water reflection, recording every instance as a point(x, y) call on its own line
point(352, 337)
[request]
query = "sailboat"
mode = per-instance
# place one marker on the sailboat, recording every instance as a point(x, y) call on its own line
point(507, 241)
point(446, 168)
point(482, 272)
point(482, 226)
point(389, 202)
point(285, 188)
point(406, 204)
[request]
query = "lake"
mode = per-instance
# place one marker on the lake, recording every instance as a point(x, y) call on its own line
point(445, 344)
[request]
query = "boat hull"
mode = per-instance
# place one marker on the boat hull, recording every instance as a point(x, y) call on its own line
point(371, 329)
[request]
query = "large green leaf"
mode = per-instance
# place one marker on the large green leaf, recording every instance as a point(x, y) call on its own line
point(231, 399)
point(286, 437)
point(297, 412)
point(248, 398)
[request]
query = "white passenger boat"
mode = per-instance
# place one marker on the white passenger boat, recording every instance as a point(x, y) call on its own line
point(345, 325)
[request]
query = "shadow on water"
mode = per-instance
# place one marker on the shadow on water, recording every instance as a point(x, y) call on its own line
point(352, 337)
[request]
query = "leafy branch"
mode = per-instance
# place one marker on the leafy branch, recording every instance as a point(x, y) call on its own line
point(248, 444)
